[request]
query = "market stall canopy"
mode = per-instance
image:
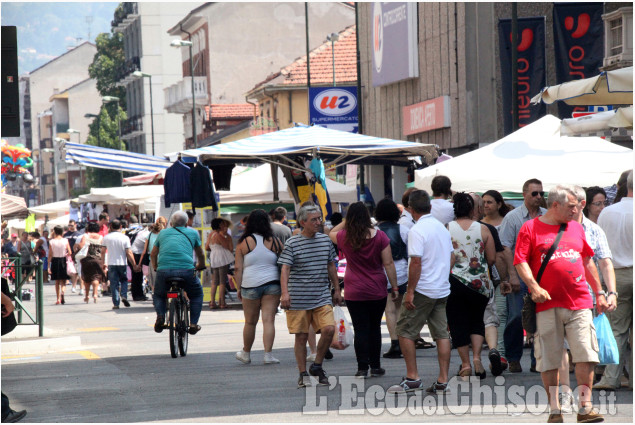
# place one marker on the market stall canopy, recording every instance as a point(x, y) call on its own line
point(333, 147)
point(609, 88)
point(12, 207)
point(129, 195)
point(602, 124)
point(534, 151)
point(54, 209)
point(148, 178)
point(256, 187)
point(113, 159)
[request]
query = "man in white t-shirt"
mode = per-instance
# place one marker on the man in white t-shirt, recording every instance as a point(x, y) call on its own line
point(442, 208)
point(117, 250)
point(431, 258)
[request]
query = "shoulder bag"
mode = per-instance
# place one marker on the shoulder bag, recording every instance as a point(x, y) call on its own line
point(528, 312)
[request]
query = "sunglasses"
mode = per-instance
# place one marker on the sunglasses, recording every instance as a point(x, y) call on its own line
point(538, 192)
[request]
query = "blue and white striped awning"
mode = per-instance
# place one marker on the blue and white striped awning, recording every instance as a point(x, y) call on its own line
point(113, 159)
point(333, 146)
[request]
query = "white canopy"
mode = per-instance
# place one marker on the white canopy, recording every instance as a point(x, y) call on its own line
point(54, 209)
point(129, 195)
point(534, 151)
point(603, 124)
point(256, 187)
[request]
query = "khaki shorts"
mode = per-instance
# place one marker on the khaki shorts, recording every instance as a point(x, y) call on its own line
point(556, 323)
point(490, 318)
point(428, 310)
point(298, 321)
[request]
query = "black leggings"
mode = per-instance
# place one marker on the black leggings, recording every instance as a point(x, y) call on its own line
point(464, 310)
point(366, 316)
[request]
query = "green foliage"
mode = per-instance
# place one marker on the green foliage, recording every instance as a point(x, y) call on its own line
point(104, 132)
point(108, 59)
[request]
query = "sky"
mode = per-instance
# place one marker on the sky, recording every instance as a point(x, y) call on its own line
point(46, 29)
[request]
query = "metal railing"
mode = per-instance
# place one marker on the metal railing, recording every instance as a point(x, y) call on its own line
point(14, 266)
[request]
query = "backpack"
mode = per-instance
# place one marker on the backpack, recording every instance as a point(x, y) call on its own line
point(132, 234)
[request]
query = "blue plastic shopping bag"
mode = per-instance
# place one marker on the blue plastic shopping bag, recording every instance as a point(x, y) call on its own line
point(606, 341)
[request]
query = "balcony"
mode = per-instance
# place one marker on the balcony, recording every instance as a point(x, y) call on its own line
point(127, 68)
point(125, 14)
point(178, 97)
point(132, 127)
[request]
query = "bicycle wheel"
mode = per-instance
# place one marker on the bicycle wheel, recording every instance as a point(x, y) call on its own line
point(173, 323)
point(184, 327)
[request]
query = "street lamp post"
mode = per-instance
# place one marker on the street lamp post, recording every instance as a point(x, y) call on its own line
point(79, 140)
point(183, 43)
point(140, 74)
point(333, 37)
point(108, 99)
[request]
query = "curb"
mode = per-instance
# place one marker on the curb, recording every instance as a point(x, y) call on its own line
point(40, 345)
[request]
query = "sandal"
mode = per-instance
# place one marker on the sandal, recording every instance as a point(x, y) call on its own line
point(223, 306)
point(479, 370)
point(212, 305)
point(420, 344)
point(194, 329)
point(465, 373)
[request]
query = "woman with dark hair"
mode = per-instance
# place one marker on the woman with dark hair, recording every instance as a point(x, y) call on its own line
point(595, 203)
point(92, 267)
point(494, 208)
point(220, 246)
point(368, 253)
point(258, 282)
point(58, 250)
point(387, 215)
point(470, 284)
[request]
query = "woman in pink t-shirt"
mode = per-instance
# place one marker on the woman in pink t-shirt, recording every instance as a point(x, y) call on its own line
point(368, 253)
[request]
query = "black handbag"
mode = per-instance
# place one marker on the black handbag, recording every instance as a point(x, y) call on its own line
point(528, 312)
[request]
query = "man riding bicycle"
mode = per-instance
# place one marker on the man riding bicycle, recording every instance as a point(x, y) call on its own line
point(172, 257)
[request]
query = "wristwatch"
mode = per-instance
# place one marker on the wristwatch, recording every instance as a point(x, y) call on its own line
point(601, 293)
point(612, 293)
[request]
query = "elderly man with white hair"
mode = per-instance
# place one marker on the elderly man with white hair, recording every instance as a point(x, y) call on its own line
point(172, 257)
point(617, 222)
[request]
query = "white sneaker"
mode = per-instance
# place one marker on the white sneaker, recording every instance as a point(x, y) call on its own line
point(243, 356)
point(270, 359)
point(73, 290)
point(310, 358)
point(81, 292)
point(566, 402)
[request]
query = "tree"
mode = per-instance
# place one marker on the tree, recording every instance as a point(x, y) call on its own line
point(108, 60)
point(104, 132)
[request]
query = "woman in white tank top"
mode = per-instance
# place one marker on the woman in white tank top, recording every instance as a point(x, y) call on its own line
point(258, 282)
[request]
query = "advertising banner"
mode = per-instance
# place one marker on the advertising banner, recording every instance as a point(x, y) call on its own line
point(426, 116)
point(531, 69)
point(578, 34)
point(394, 43)
point(334, 107)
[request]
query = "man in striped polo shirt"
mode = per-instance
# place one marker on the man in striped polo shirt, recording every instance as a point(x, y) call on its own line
point(308, 263)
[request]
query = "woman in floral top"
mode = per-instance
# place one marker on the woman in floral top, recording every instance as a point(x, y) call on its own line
point(470, 284)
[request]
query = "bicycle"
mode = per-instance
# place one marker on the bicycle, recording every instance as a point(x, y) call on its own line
point(178, 320)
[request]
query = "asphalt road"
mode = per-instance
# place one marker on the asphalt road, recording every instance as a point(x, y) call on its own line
point(96, 364)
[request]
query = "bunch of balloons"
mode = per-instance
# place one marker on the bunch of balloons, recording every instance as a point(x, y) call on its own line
point(15, 161)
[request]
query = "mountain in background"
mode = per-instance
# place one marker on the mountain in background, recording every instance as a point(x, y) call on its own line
point(47, 30)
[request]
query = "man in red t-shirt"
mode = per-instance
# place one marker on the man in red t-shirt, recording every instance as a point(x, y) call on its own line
point(563, 302)
point(103, 224)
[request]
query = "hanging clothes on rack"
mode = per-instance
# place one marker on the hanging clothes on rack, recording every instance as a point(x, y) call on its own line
point(202, 187)
point(176, 184)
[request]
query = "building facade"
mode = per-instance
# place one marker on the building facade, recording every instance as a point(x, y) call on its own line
point(235, 44)
point(147, 50)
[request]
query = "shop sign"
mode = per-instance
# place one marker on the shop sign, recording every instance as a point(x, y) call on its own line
point(426, 116)
point(334, 107)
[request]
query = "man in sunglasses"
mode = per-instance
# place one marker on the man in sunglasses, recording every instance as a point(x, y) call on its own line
point(533, 196)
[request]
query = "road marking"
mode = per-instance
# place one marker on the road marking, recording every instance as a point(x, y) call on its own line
point(98, 329)
point(88, 355)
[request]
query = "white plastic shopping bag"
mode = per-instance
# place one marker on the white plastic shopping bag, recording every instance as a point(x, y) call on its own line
point(343, 336)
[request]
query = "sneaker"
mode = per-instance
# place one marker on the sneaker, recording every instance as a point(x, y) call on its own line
point(566, 402)
point(361, 373)
point(14, 416)
point(515, 367)
point(328, 355)
point(159, 324)
point(73, 290)
point(243, 356)
point(591, 416)
point(604, 386)
point(310, 358)
point(555, 418)
point(270, 359)
point(319, 373)
point(504, 363)
point(304, 380)
point(377, 372)
point(81, 292)
point(125, 302)
point(394, 352)
point(407, 385)
point(438, 388)
point(495, 362)
point(115, 307)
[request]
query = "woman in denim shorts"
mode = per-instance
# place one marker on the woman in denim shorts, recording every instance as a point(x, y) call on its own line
point(258, 282)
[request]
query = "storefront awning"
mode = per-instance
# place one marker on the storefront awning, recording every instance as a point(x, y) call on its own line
point(112, 159)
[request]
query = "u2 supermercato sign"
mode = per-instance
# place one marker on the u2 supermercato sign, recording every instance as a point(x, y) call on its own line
point(334, 107)
point(394, 43)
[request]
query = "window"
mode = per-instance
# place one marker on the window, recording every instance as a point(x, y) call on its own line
point(618, 38)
